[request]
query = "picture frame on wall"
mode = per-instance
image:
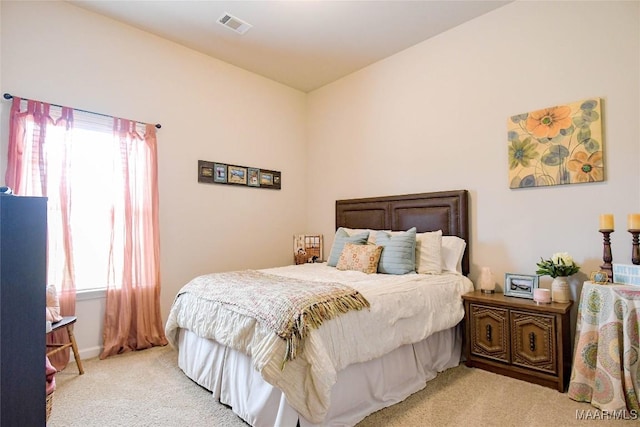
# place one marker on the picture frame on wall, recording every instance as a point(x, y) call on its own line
point(220, 173)
point(237, 175)
point(266, 178)
point(205, 171)
point(542, 149)
point(253, 177)
point(520, 285)
point(270, 179)
point(224, 173)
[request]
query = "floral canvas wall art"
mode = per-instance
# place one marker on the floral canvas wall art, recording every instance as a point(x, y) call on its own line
point(556, 145)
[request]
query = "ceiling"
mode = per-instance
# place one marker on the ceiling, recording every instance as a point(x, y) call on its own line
point(303, 44)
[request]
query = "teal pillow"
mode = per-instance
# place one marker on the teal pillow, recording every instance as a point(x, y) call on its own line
point(339, 241)
point(398, 253)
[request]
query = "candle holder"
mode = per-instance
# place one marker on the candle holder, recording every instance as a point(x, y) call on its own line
point(606, 253)
point(635, 251)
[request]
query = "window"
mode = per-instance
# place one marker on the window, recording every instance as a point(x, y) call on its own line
point(85, 161)
point(90, 177)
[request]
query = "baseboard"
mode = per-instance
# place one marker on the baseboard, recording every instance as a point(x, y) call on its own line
point(87, 353)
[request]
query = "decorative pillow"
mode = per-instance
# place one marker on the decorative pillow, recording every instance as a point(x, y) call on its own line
point(452, 252)
point(53, 305)
point(372, 233)
point(399, 253)
point(339, 241)
point(360, 258)
point(429, 252)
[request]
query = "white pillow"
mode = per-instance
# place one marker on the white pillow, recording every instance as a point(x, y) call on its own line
point(452, 252)
point(429, 252)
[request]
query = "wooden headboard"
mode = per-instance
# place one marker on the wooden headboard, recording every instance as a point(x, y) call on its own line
point(443, 210)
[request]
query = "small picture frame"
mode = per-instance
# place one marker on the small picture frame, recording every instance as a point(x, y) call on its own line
point(307, 248)
point(205, 171)
point(626, 274)
point(270, 179)
point(266, 178)
point(237, 175)
point(520, 285)
point(253, 177)
point(599, 277)
point(220, 172)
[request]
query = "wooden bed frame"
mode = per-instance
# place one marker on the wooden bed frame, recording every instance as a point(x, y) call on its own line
point(443, 210)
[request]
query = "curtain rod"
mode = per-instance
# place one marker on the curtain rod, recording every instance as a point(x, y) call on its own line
point(9, 96)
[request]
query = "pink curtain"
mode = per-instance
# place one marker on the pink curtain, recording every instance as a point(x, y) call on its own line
point(100, 179)
point(132, 318)
point(33, 133)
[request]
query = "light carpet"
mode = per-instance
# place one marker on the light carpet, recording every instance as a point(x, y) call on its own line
point(147, 388)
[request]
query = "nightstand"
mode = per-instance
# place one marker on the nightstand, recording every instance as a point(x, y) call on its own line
point(519, 338)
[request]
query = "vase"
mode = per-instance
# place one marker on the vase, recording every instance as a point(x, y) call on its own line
point(560, 291)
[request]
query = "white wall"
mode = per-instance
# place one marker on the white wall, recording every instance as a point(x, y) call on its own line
point(434, 116)
point(430, 118)
point(209, 110)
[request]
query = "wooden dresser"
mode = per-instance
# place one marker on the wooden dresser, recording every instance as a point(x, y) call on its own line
point(519, 338)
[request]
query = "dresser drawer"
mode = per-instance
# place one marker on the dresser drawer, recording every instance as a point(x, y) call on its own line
point(533, 341)
point(490, 332)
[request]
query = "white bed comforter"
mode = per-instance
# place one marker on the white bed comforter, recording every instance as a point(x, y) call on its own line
point(404, 309)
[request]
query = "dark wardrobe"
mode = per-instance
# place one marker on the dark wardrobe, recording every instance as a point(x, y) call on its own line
point(23, 239)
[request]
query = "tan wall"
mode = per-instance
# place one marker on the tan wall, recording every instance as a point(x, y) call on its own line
point(433, 117)
point(209, 110)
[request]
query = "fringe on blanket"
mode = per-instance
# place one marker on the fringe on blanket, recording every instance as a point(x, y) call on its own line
point(312, 316)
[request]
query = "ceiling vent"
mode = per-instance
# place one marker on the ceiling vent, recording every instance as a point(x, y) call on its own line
point(233, 23)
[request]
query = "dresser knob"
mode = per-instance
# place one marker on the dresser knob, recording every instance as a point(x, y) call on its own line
point(488, 328)
point(532, 341)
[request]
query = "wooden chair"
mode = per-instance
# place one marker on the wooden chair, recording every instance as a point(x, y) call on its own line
point(67, 323)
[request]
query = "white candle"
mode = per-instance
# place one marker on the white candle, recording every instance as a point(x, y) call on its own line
point(606, 222)
point(633, 221)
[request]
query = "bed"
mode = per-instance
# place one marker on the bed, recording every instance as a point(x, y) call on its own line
point(352, 364)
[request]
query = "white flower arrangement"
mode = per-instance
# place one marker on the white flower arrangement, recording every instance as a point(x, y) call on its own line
point(560, 264)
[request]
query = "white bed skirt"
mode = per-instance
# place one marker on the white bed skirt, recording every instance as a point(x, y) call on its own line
point(361, 389)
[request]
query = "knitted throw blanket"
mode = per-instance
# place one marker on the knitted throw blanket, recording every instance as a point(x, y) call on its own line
point(287, 306)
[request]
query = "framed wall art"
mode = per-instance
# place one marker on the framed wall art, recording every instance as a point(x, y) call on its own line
point(237, 175)
point(220, 173)
point(223, 173)
point(556, 145)
point(253, 179)
point(269, 179)
point(520, 285)
point(205, 171)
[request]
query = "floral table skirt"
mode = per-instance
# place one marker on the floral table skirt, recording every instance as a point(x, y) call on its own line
point(606, 366)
